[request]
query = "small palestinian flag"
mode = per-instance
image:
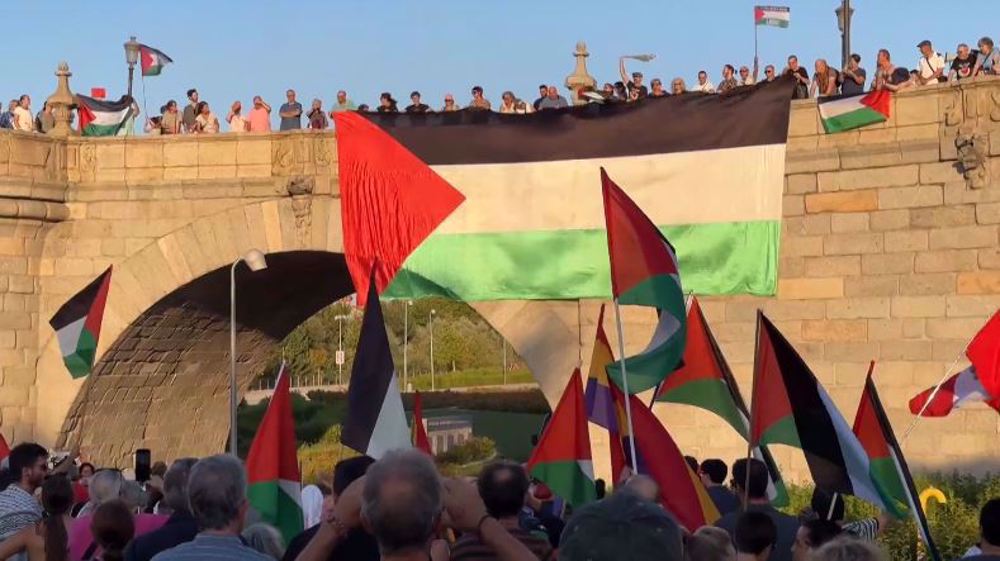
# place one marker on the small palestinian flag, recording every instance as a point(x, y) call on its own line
point(562, 458)
point(152, 60)
point(644, 272)
point(103, 118)
point(843, 113)
point(275, 484)
point(774, 16)
point(78, 325)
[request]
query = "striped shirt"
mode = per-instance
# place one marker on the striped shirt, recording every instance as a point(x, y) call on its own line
point(206, 547)
point(18, 510)
point(470, 548)
point(866, 529)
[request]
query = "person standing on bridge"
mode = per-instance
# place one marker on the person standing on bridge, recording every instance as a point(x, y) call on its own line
point(260, 115)
point(291, 113)
point(191, 111)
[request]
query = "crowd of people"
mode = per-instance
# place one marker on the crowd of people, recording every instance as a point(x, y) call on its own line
point(400, 508)
point(197, 116)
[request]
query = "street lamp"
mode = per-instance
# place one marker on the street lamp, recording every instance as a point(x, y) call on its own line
point(430, 324)
point(844, 13)
point(131, 57)
point(406, 340)
point(256, 262)
point(340, 347)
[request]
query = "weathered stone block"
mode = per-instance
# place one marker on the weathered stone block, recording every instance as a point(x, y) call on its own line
point(856, 201)
point(802, 246)
point(919, 132)
point(915, 109)
point(972, 306)
point(792, 205)
point(812, 161)
point(945, 260)
point(792, 266)
point(858, 308)
point(850, 222)
point(980, 282)
point(144, 154)
point(989, 258)
point(850, 351)
point(906, 240)
point(941, 217)
point(809, 225)
point(929, 283)
point(110, 155)
point(799, 184)
point(253, 151)
point(883, 220)
point(941, 172)
point(918, 306)
point(988, 213)
point(853, 244)
point(910, 197)
point(803, 120)
point(953, 328)
point(180, 153)
point(779, 310)
point(835, 330)
point(875, 284)
point(868, 178)
point(964, 237)
point(217, 151)
point(885, 329)
point(831, 266)
point(808, 288)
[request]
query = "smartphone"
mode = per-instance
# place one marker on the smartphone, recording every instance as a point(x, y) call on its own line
point(143, 464)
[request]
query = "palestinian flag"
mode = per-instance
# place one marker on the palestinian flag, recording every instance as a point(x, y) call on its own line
point(420, 440)
point(102, 118)
point(526, 187)
point(888, 467)
point(376, 422)
point(644, 272)
point(775, 16)
point(791, 407)
point(846, 112)
point(704, 380)
point(152, 60)
point(657, 455)
point(600, 405)
point(275, 485)
point(562, 457)
point(956, 392)
point(78, 325)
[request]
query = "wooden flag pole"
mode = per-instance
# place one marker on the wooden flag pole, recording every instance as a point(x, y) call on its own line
point(628, 397)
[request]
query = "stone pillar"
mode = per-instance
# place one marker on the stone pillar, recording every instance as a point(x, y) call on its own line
point(62, 102)
point(580, 78)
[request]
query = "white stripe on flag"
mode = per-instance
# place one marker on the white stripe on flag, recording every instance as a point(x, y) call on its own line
point(291, 488)
point(855, 458)
point(968, 388)
point(390, 431)
point(69, 336)
point(839, 107)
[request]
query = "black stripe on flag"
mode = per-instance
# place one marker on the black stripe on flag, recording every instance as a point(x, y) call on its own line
point(904, 471)
point(105, 106)
point(371, 376)
point(751, 116)
point(816, 431)
point(79, 305)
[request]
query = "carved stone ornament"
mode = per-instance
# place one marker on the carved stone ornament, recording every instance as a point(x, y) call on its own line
point(88, 161)
point(953, 115)
point(301, 189)
point(973, 156)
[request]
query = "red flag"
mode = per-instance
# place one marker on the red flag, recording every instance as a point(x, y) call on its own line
point(984, 353)
point(618, 463)
point(4, 448)
point(420, 440)
point(390, 200)
point(956, 392)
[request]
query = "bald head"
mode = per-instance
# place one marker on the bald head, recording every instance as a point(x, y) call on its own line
point(402, 501)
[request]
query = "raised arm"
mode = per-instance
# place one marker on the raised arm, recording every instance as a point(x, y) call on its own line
point(16, 543)
point(622, 70)
point(467, 513)
point(346, 515)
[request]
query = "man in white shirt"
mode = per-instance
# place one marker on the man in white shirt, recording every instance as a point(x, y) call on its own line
point(23, 119)
point(930, 67)
point(704, 85)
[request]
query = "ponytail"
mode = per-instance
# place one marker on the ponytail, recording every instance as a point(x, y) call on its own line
point(57, 498)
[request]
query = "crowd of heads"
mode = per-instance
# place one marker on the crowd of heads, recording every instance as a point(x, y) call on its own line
point(402, 506)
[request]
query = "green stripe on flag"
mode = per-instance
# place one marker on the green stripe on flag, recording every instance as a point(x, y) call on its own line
point(773, 22)
point(711, 394)
point(567, 480)
point(276, 508)
point(855, 119)
point(783, 431)
point(81, 362)
point(661, 291)
point(717, 258)
point(102, 130)
point(890, 487)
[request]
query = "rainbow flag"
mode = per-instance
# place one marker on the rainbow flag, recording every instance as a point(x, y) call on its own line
point(600, 404)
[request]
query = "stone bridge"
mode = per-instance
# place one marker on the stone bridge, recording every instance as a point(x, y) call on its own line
point(889, 251)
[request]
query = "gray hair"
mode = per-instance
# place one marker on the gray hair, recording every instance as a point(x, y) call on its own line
point(402, 500)
point(175, 484)
point(847, 548)
point(133, 496)
point(105, 485)
point(644, 487)
point(265, 539)
point(217, 488)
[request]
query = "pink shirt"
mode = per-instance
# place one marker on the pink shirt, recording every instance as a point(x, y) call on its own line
point(80, 537)
point(260, 120)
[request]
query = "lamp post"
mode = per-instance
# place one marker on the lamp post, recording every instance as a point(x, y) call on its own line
point(131, 57)
point(844, 13)
point(340, 347)
point(406, 340)
point(430, 324)
point(256, 262)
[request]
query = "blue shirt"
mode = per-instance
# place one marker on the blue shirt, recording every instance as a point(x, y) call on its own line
point(212, 548)
point(291, 123)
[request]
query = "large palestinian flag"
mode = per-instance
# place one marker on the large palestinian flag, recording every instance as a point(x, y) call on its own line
point(704, 380)
point(562, 458)
point(275, 484)
point(78, 325)
point(791, 407)
point(846, 112)
point(103, 118)
point(524, 220)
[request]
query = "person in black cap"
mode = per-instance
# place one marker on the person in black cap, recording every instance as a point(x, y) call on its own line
point(930, 67)
point(622, 526)
point(415, 105)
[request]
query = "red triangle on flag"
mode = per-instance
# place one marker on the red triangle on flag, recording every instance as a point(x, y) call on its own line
point(273, 453)
point(758, 13)
point(390, 200)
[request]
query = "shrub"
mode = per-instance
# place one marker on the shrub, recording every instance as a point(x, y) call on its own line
point(475, 449)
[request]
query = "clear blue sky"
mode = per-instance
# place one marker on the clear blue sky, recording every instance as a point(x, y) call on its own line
point(232, 50)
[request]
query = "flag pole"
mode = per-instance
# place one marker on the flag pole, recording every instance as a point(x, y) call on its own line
point(753, 403)
point(628, 397)
point(930, 398)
